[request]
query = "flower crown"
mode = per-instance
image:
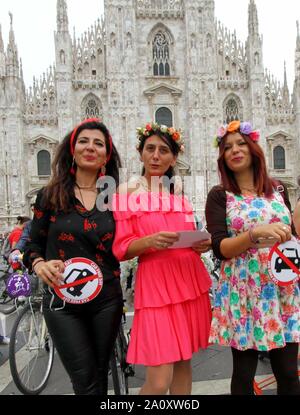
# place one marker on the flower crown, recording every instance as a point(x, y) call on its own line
point(152, 128)
point(236, 126)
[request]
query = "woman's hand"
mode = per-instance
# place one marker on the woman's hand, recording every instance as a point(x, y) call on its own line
point(202, 247)
point(162, 240)
point(50, 272)
point(278, 231)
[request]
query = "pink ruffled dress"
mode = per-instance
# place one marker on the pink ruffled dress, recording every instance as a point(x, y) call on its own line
point(172, 308)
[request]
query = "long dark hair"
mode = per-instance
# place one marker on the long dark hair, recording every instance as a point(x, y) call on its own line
point(262, 181)
point(170, 173)
point(59, 193)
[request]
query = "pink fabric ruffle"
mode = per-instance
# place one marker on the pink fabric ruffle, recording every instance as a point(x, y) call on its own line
point(170, 277)
point(127, 205)
point(171, 333)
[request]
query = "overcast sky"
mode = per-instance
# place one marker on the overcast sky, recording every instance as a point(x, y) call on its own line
point(35, 22)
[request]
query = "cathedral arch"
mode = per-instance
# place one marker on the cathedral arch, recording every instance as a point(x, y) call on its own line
point(44, 163)
point(62, 56)
point(208, 40)
point(112, 39)
point(232, 109)
point(91, 107)
point(279, 158)
point(161, 45)
point(164, 116)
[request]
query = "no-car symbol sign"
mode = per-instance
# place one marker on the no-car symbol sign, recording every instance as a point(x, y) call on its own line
point(83, 280)
point(284, 263)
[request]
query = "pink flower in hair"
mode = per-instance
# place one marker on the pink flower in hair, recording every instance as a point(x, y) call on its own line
point(254, 136)
point(222, 131)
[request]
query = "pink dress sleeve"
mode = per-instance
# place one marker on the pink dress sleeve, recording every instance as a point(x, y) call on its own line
point(125, 230)
point(124, 236)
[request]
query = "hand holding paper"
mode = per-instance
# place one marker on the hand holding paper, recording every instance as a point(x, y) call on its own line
point(188, 239)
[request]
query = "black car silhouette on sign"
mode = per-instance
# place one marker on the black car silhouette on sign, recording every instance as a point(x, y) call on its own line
point(80, 274)
point(292, 255)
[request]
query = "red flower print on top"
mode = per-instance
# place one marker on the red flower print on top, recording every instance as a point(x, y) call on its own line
point(38, 213)
point(99, 259)
point(66, 237)
point(117, 273)
point(88, 226)
point(107, 237)
point(100, 247)
point(62, 254)
point(53, 219)
point(80, 208)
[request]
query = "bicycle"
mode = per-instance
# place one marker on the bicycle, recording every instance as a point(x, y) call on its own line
point(31, 349)
point(120, 369)
point(7, 304)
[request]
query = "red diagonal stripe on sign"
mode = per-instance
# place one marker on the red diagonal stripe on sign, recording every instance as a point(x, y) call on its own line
point(79, 282)
point(287, 261)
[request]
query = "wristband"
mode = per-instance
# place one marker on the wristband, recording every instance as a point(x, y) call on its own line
point(40, 260)
point(252, 240)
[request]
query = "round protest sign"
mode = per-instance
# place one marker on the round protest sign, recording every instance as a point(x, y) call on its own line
point(284, 263)
point(18, 285)
point(83, 280)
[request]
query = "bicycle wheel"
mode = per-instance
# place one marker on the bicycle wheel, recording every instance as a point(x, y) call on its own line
point(118, 365)
point(31, 351)
point(5, 300)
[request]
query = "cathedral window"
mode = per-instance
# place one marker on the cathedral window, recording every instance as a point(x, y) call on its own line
point(44, 163)
point(161, 55)
point(232, 111)
point(279, 158)
point(62, 57)
point(92, 109)
point(164, 116)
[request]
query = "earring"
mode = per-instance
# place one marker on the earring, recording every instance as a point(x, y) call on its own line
point(72, 170)
point(102, 171)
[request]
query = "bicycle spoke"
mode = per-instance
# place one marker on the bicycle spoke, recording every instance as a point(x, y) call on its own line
point(32, 363)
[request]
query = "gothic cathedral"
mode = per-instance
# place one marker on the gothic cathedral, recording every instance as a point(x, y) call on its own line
point(162, 60)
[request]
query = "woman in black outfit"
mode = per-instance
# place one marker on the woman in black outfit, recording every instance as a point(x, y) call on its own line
point(71, 236)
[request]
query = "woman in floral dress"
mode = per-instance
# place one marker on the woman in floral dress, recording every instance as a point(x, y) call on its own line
point(245, 215)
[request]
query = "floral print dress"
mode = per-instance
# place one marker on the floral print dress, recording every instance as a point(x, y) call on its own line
point(250, 311)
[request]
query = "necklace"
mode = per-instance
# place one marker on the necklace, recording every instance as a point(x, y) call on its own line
point(248, 189)
point(81, 196)
point(143, 183)
point(86, 187)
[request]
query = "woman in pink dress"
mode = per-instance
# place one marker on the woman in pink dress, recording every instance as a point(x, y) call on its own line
point(172, 308)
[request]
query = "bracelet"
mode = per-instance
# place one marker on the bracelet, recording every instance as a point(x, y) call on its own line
point(252, 240)
point(40, 260)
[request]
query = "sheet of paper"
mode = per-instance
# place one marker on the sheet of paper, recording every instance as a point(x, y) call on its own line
point(188, 238)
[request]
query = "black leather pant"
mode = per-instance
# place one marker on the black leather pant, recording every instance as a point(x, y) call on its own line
point(84, 336)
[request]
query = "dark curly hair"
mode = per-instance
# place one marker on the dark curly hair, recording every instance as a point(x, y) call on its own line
point(59, 193)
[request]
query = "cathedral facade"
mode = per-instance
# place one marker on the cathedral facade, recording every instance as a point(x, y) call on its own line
point(168, 61)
